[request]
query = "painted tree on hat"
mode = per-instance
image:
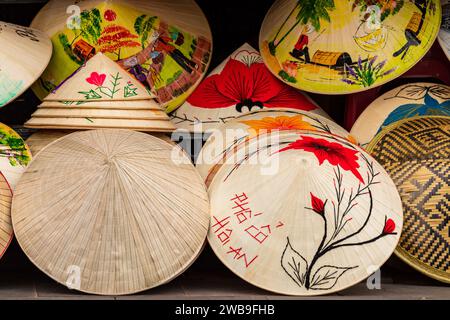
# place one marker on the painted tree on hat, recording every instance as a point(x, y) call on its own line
point(114, 38)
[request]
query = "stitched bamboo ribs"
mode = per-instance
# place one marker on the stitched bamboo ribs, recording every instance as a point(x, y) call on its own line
point(101, 95)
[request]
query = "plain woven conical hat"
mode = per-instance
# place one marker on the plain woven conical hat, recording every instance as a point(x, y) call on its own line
point(338, 47)
point(226, 137)
point(444, 34)
point(311, 214)
point(6, 229)
point(239, 85)
point(100, 79)
point(416, 154)
point(123, 105)
point(165, 44)
point(24, 55)
point(100, 123)
point(406, 101)
point(111, 211)
point(100, 114)
point(14, 155)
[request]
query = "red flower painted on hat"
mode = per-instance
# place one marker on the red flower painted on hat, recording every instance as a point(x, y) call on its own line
point(389, 227)
point(318, 206)
point(110, 15)
point(247, 85)
point(334, 153)
point(96, 79)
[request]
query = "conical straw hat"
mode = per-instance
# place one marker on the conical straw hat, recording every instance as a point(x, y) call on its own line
point(242, 128)
point(339, 47)
point(6, 230)
point(239, 85)
point(111, 211)
point(166, 44)
point(24, 55)
point(100, 114)
point(88, 123)
point(416, 153)
point(42, 138)
point(100, 79)
point(14, 155)
point(444, 34)
point(409, 100)
point(271, 214)
point(123, 105)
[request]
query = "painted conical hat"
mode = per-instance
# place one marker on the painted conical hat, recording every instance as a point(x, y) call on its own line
point(406, 101)
point(337, 47)
point(100, 79)
point(166, 44)
point(309, 215)
point(123, 105)
point(444, 33)
point(416, 154)
point(116, 212)
point(14, 155)
point(227, 136)
point(24, 55)
point(239, 85)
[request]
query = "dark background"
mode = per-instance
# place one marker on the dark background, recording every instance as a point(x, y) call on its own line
point(233, 22)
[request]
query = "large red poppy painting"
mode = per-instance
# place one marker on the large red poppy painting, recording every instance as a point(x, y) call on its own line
point(241, 84)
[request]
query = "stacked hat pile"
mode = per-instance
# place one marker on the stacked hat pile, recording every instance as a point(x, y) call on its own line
point(101, 95)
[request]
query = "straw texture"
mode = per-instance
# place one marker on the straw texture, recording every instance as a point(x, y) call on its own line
point(407, 101)
point(416, 153)
point(39, 140)
point(6, 230)
point(122, 105)
point(229, 135)
point(311, 214)
point(24, 56)
point(111, 211)
point(340, 47)
point(239, 85)
point(100, 114)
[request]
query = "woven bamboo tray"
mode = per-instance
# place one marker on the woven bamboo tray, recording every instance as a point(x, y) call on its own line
point(416, 154)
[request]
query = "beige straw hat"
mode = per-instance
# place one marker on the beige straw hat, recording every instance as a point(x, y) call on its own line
point(416, 154)
point(24, 55)
point(165, 44)
point(111, 212)
point(42, 138)
point(6, 230)
point(407, 101)
point(305, 214)
point(239, 85)
point(340, 47)
point(226, 137)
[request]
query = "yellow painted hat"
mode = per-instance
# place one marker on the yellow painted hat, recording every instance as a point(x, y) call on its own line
point(165, 44)
point(339, 47)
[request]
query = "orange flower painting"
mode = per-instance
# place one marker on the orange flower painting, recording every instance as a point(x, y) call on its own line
point(269, 124)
